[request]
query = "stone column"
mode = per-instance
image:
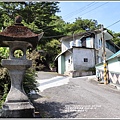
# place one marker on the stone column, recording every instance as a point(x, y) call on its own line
point(17, 104)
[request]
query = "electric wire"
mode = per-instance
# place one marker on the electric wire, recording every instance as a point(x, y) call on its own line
point(82, 14)
point(92, 9)
point(85, 13)
point(80, 10)
point(71, 14)
point(113, 24)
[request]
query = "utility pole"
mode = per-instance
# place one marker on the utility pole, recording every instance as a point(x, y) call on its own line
point(104, 57)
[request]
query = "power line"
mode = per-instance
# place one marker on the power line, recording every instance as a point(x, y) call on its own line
point(89, 5)
point(113, 23)
point(88, 11)
point(96, 8)
point(81, 9)
point(93, 9)
point(78, 9)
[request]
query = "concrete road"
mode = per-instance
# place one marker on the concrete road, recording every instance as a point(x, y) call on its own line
point(51, 79)
point(46, 75)
point(79, 98)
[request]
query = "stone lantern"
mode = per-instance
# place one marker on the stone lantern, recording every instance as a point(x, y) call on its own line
point(18, 37)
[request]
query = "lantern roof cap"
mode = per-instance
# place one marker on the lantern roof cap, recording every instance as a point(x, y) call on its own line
point(18, 32)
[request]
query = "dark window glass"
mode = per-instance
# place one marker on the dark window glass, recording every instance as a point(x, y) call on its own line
point(85, 59)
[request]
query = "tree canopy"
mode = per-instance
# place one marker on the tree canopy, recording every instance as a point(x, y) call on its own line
point(36, 15)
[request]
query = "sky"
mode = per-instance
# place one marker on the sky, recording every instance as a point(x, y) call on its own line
point(105, 12)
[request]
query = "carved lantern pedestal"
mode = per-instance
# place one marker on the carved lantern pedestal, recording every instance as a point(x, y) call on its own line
point(17, 103)
point(18, 37)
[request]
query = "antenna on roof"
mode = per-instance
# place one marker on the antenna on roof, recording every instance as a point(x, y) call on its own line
point(96, 23)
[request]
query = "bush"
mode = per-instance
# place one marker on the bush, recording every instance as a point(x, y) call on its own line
point(29, 82)
point(4, 95)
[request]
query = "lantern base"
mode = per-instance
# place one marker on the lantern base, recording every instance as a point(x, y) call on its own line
point(17, 104)
point(18, 110)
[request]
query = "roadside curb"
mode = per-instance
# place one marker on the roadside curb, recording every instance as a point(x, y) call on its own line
point(116, 86)
point(102, 82)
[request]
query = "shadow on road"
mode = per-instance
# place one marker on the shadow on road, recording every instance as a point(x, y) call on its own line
point(52, 110)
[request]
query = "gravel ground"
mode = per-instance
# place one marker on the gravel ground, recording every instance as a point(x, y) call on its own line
point(80, 98)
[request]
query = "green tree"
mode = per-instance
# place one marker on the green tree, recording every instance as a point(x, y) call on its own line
point(116, 38)
point(59, 25)
point(36, 15)
point(52, 49)
point(81, 25)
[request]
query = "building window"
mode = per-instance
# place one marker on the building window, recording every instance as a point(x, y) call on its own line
point(68, 60)
point(99, 42)
point(85, 59)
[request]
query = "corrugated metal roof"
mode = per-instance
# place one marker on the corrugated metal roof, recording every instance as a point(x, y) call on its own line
point(117, 54)
point(88, 33)
point(85, 34)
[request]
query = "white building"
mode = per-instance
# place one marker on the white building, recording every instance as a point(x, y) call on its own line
point(113, 67)
point(81, 52)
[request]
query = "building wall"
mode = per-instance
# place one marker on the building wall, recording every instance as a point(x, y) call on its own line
point(89, 42)
point(114, 78)
point(68, 61)
point(114, 65)
point(65, 45)
point(110, 48)
point(113, 71)
point(98, 47)
point(79, 56)
point(98, 42)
